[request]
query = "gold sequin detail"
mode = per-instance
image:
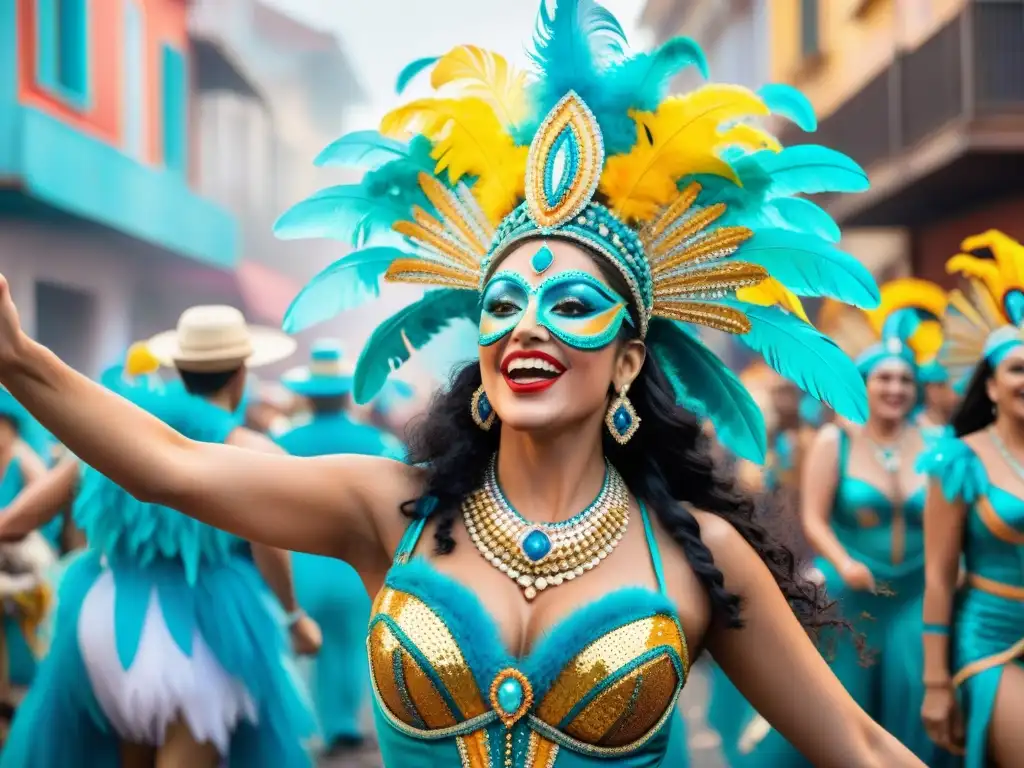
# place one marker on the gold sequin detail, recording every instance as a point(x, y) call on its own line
point(428, 634)
point(427, 700)
point(627, 710)
point(381, 646)
point(475, 749)
point(541, 753)
point(604, 658)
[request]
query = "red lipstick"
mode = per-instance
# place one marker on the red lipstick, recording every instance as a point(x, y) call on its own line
point(540, 383)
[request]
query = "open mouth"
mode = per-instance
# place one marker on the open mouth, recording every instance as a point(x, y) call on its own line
point(527, 372)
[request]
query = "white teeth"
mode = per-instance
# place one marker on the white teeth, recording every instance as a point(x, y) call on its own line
point(521, 363)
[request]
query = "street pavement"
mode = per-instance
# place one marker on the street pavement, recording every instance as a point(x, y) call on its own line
point(704, 746)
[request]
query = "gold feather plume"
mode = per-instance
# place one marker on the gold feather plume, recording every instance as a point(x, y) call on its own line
point(1005, 270)
point(468, 140)
point(772, 293)
point(847, 326)
point(486, 76)
point(681, 137)
point(913, 293)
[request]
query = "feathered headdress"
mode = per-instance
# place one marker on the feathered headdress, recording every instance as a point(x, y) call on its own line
point(907, 324)
point(984, 318)
point(692, 203)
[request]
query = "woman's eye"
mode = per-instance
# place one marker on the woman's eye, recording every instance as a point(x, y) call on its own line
point(571, 307)
point(502, 308)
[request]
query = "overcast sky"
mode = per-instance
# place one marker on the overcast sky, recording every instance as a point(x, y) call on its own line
point(382, 36)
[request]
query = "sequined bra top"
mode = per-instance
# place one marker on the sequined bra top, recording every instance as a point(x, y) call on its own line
point(601, 683)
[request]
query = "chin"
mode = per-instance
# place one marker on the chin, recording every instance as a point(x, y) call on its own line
point(532, 417)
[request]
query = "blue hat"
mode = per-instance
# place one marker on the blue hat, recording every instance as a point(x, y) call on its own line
point(325, 376)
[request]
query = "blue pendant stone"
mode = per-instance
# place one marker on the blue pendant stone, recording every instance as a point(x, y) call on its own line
point(483, 407)
point(622, 419)
point(510, 696)
point(536, 545)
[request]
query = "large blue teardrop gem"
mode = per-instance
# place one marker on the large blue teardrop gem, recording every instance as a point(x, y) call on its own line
point(483, 407)
point(542, 259)
point(561, 166)
point(536, 545)
point(622, 419)
point(510, 696)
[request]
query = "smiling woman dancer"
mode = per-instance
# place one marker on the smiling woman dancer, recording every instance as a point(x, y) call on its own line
point(974, 638)
point(581, 219)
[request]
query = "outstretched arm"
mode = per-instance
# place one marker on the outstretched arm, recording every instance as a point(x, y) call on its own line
point(40, 502)
point(774, 664)
point(344, 506)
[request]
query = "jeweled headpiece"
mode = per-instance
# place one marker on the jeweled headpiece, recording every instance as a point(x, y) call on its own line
point(985, 318)
point(685, 196)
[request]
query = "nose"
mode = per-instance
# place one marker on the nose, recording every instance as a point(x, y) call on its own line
point(528, 330)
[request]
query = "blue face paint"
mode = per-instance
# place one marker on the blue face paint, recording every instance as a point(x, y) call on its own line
point(576, 307)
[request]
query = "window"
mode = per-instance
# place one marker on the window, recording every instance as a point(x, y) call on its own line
point(175, 110)
point(810, 28)
point(134, 78)
point(63, 48)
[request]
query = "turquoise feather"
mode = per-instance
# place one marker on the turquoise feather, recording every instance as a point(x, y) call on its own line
point(803, 215)
point(642, 81)
point(346, 284)
point(710, 390)
point(787, 101)
point(810, 266)
point(413, 68)
point(349, 213)
point(809, 169)
point(801, 353)
point(365, 150)
point(409, 329)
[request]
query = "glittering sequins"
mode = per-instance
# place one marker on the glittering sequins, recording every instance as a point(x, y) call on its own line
point(541, 753)
point(612, 654)
point(475, 749)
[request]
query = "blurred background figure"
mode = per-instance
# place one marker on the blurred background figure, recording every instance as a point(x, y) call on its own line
point(329, 589)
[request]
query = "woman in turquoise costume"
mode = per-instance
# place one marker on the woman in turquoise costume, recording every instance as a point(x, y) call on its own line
point(975, 517)
point(167, 647)
point(328, 588)
point(566, 549)
point(862, 507)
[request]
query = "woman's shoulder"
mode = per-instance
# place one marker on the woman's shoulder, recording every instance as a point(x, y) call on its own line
point(955, 463)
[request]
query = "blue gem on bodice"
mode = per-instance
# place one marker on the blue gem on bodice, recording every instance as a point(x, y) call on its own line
point(535, 545)
point(511, 695)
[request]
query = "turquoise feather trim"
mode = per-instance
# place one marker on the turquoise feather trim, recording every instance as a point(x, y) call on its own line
point(787, 101)
point(366, 150)
point(960, 472)
point(810, 266)
point(801, 353)
point(810, 169)
point(346, 284)
point(802, 215)
point(710, 390)
point(409, 329)
point(413, 68)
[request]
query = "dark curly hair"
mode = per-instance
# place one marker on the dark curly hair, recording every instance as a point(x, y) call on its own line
point(667, 464)
point(976, 410)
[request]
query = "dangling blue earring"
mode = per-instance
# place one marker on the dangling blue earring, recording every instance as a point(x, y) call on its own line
point(481, 411)
point(621, 418)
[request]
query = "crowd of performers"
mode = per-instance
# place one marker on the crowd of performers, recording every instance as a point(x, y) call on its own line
point(580, 514)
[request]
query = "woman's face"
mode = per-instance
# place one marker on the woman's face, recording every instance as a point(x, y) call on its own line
point(891, 390)
point(1006, 386)
point(549, 330)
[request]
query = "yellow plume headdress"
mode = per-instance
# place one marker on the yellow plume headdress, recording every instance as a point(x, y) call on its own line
point(693, 204)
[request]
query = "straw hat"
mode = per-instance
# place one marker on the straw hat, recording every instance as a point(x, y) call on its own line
point(327, 374)
point(217, 338)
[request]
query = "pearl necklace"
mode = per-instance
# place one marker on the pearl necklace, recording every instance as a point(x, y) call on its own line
point(541, 555)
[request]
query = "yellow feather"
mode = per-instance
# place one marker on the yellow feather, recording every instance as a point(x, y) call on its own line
point(750, 137)
point(139, 361)
point(468, 140)
point(985, 271)
point(1008, 253)
point(926, 341)
point(680, 138)
point(772, 293)
point(487, 76)
point(906, 293)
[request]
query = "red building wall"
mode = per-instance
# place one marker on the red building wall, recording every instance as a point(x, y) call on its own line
point(166, 22)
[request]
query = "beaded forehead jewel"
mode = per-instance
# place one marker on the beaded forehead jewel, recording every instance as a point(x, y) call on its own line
point(985, 316)
point(685, 197)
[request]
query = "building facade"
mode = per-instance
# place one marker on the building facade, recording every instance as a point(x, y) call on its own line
point(97, 171)
point(928, 96)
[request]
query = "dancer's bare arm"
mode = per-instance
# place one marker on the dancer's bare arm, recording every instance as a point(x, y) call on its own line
point(33, 468)
point(332, 505)
point(40, 502)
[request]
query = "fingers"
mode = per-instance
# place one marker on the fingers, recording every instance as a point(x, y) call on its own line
point(957, 736)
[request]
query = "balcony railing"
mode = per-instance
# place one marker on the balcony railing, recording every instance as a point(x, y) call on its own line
point(970, 69)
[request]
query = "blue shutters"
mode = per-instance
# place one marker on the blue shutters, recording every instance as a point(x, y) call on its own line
point(63, 49)
point(175, 109)
point(133, 100)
